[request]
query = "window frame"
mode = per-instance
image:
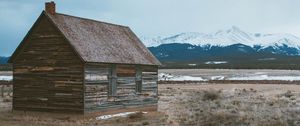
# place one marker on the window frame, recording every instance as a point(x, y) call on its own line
point(112, 83)
point(138, 79)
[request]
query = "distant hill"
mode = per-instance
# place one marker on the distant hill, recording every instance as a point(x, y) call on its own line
point(235, 56)
point(3, 60)
point(232, 48)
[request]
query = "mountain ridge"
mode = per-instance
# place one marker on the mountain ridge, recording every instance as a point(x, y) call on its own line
point(232, 48)
point(3, 60)
point(227, 37)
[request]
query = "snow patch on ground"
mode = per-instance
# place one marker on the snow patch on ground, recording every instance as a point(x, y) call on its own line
point(170, 77)
point(192, 64)
point(123, 114)
point(267, 59)
point(256, 76)
point(266, 77)
point(217, 78)
point(186, 78)
point(6, 78)
point(216, 62)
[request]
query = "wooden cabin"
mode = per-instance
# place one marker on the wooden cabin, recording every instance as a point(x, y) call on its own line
point(71, 64)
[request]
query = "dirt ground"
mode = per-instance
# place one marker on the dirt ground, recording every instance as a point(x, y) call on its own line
point(190, 104)
point(231, 104)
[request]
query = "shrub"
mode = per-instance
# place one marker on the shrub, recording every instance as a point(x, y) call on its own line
point(288, 94)
point(211, 95)
point(137, 115)
point(145, 123)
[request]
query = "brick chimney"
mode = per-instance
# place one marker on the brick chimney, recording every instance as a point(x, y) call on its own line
point(50, 7)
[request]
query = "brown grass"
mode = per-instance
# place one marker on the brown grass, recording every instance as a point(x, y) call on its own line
point(8, 118)
point(190, 104)
point(137, 115)
point(208, 105)
point(211, 95)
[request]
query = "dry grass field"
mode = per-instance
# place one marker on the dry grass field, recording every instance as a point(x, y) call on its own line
point(181, 104)
point(21, 118)
point(8, 118)
point(189, 104)
point(231, 104)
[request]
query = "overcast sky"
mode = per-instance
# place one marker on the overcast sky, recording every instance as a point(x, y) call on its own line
point(157, 17)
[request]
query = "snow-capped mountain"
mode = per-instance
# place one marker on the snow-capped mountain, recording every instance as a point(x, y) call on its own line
point(228, 37)
point(233, 46)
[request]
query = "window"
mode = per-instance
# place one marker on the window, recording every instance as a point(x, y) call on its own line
point(112, 87)
point(138, 79)
point(96, 83)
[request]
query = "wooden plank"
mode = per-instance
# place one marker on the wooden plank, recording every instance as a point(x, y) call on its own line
point(138, 79)
point(47, 73)
point(113, 80)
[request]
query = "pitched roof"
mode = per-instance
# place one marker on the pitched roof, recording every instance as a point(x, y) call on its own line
point(103, 42)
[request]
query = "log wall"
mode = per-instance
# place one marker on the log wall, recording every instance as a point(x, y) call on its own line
point(96, 85)
point(48, 75)
point(99, 92)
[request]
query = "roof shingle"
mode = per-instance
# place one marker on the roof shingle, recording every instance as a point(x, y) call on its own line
point(103, 42)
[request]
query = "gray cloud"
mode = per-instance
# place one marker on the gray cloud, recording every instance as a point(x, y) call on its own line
point(157, 17)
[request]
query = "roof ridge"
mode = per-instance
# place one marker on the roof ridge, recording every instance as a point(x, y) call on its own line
point(102, 42)
point(90, 19)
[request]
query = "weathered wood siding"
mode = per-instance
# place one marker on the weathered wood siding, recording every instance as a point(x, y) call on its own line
point(149, 80)
point(99, 85)
point(48, 75)
point(96, 85)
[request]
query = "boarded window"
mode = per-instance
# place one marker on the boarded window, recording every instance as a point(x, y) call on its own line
point(112, 80)
point(96, 84)
point(96, 75)
point(138, 79)
point(149, 80)
point(126, 80)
